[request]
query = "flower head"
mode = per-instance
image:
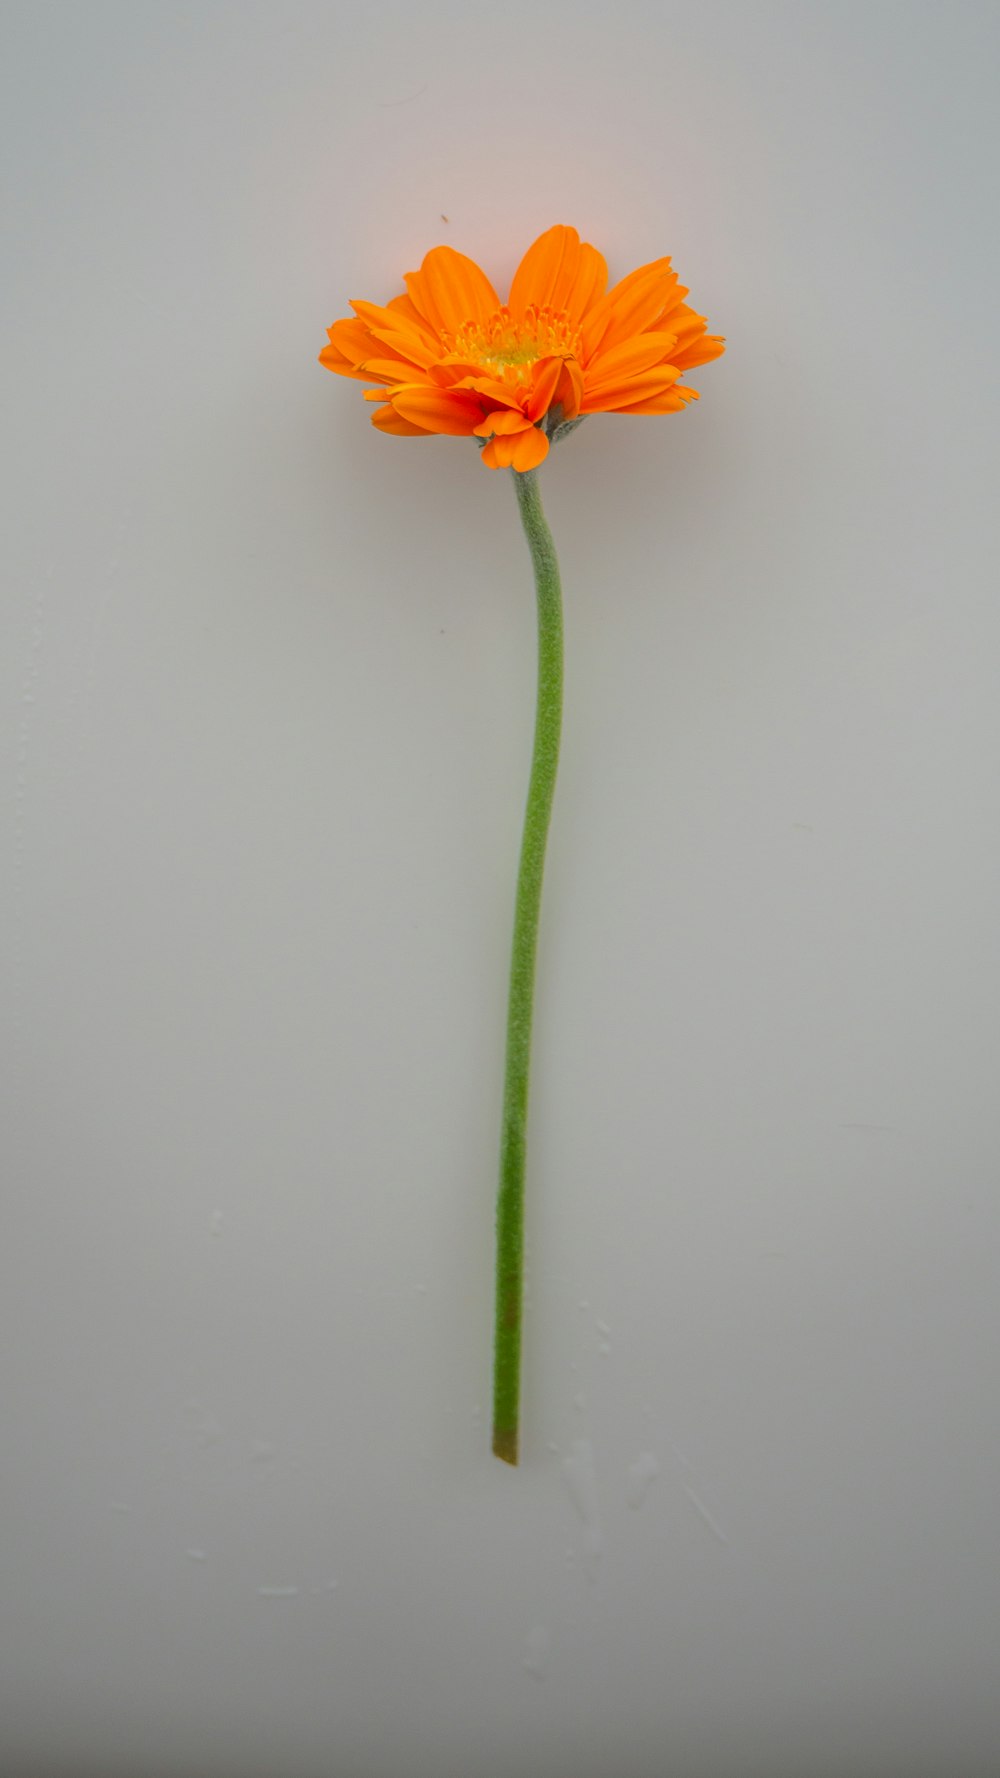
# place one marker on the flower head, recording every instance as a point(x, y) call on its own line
point(449, 357)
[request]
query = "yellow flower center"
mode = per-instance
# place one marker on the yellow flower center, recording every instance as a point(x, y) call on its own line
point(507, 348)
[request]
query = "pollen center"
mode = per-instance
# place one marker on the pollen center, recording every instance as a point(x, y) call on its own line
point(507, 347)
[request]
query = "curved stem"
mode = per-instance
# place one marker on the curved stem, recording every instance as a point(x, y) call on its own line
point(541, 786)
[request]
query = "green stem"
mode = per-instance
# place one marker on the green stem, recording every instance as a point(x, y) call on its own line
point(541, 786)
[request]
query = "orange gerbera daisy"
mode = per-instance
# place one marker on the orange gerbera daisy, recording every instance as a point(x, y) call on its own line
point(450, 357)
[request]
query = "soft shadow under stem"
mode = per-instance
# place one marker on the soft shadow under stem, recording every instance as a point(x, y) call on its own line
point(541, 787)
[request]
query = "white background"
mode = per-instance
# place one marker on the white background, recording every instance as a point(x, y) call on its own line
point(268, 686)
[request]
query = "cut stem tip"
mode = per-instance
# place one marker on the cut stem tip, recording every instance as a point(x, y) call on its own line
point(505, 1446)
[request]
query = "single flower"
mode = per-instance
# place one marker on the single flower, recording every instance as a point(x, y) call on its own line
point(449, 357)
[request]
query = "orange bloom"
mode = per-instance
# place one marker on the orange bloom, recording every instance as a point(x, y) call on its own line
point(450, 357)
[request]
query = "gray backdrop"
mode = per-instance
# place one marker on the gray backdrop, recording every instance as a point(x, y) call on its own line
point(268, 684)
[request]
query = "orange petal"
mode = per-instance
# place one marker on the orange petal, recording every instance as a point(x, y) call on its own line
point(529, 449)
point(701, 351)
point(522, 451)
point(450, 289)
point(634, 304)
point(404, 347)
point(686, 323)
point(334, 360)
point(392, 370)
point(561, 271)
point(350, 344)
point(672, 401)
point(438, 410)
point(387, 420)
point(620, 291)
point(397, 333)
point(499, 394)
point(589, 283)
point(541, 268)
point(503, 451)
point(501, 423)
point(404, 310)
point(630, 357)
point(351, 338)
point(454, 372)
point(545, 376)
point(569, 393)
point(453, 367)
point(630, 390)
